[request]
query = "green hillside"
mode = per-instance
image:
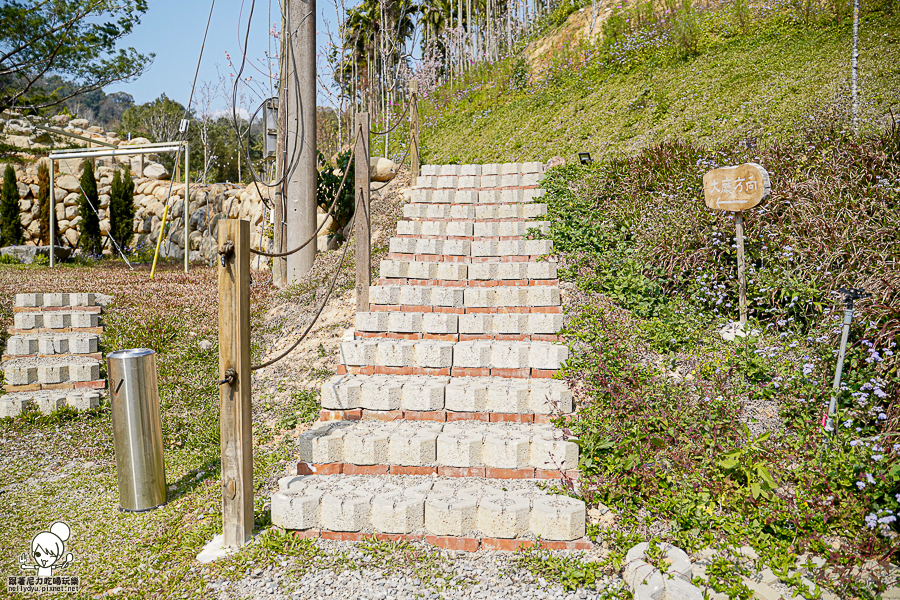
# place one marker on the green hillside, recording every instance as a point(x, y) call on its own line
point(623, 97)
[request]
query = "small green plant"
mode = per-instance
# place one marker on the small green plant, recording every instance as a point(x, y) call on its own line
point(655, 556)
point(746, 467)
point(724, 576)
point(303, 407)
point(329, 182)
point(10, 223)
point(570, 572)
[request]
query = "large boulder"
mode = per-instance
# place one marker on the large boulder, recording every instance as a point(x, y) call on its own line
point(156, 171)
point(19, 141)
point(382, 169)
point(23, 188)
point(68, 183)
point(60, 120)
point(80, 123)
point(26, 254)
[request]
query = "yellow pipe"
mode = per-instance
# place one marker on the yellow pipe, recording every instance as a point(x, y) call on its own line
point(162, 230)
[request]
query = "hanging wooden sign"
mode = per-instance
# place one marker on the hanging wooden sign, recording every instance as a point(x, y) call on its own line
point(736, 188)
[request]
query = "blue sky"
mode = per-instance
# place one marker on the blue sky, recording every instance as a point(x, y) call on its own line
point(173, 30)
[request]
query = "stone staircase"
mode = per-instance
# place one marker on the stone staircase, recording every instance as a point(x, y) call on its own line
point(52, 356)
point(437, 424)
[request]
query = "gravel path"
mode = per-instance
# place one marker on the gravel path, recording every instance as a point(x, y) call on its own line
point(484, 574)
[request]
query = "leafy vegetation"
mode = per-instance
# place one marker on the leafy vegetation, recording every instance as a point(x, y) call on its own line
point(749, 79)
point(122, 209)
point(10, 225)
point(720, 442)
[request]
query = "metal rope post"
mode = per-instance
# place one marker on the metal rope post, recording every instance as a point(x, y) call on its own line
point(361, 217)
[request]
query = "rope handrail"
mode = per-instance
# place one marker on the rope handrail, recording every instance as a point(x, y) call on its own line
point(403, 113)
point(309, 327)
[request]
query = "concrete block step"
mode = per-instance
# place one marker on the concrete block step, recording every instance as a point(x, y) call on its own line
point(426, 210)
point(54, 300)
point(475, 248)
point(487, 169)
point(467, 324)
point(435, 393)
point(465, 297)
point(470, 229)
point(442, 506)
point(27, 371)
point(451, 194)
point(24, 321)
point(47, 344)
point(459, 444)
point(47, 401)
point(479, 182)
point(493, 272)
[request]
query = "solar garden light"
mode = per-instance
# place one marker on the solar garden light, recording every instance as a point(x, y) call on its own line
point(850, 294)
point(585, 158)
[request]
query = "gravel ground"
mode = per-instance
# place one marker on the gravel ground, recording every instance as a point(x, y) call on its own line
point(483, 574)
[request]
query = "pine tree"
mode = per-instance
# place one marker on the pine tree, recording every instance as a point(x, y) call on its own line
point(43, 198)
point(90, 241)
point(121, 209)
point(10, 222)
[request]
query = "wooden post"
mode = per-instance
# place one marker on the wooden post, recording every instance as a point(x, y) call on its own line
point(741, 269)
point(414, 128)
point(361, 216)
point(234, 395)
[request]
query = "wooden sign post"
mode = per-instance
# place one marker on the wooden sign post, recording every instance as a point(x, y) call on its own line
point(737, 189)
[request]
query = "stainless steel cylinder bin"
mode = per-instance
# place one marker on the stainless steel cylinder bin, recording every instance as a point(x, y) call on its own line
point(137, 433)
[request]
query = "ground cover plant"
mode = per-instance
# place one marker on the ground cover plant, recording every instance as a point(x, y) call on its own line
point(698, 441)
point(640, 84)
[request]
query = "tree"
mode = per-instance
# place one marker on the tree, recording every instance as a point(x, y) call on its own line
point(121, 209)
point(10, 223)
point(90, 241)
point(43, 199)
point(73, 38)
point(158, 120)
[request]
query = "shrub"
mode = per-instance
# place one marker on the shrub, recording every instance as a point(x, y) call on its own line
point(121, 209)
point(329, 181)
point(10, 224)
point(90, 241)
point(43, 199)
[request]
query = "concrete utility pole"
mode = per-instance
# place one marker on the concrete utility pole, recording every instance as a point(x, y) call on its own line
point(300, 121)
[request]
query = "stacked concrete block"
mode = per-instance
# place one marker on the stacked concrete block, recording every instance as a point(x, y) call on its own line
point(52, 357)
point(416, 295)
point(430, 246)
point(436, 393)
point(13, 404)
point(439, 419)
point(461, 444)
point(430, 506)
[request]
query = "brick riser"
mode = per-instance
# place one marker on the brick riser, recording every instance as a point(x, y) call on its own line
point(97, 384)
point(459, 337)
point(462, 544)
point(94, 355)
point(14, 331)
point(436, 415)
point(460, 310)
point(467, 238)
point(465, 259)
point(305, 468)
point(27, 309)
point(468, 282)
point(523, 373)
